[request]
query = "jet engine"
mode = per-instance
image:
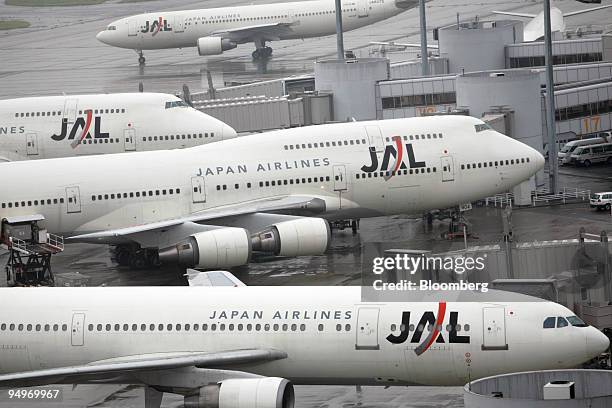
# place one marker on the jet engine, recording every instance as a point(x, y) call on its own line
point(267, 392)
point(299, 237)
point(214, 45)
point(218, 248)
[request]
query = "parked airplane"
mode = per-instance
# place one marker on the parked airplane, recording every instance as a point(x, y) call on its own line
point(211, 205)
point(238, 347)
point(534, 29)
point(73, 125)
point(216, 30)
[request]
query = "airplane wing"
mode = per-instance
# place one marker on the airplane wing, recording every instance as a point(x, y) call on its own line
point(212, 278)
point(513, 14)
point(406, 45)
point(142, 233)
point(139, 364)
point(268, 32)
point(575, 13)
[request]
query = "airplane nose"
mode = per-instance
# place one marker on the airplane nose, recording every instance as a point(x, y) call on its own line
point(228, 132)
point(102, 36)
point(596, 342)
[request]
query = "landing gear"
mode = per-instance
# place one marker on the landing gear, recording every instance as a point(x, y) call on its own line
point(261, 51)
point(141, 58)
point(136, 257)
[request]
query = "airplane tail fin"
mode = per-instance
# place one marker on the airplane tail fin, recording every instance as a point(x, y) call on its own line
point(212, 278)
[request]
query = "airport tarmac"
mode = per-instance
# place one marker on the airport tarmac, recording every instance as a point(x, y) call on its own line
point(342, 265)
point(59, 53)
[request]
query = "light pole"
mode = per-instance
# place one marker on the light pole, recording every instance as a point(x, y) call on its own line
point(339, 35)
point(553, 165)
point(424, 55)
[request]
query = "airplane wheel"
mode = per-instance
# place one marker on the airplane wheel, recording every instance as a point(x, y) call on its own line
point(141, 60)
point(153, 258)
point(123, 257)
point(138, 260)
point(267, 51)
point(354, 226)
point(256, 54)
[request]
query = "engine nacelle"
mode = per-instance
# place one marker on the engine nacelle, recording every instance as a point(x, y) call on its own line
point(268, 392)
point(218, 248)
point(299, 237)
point(214, 45)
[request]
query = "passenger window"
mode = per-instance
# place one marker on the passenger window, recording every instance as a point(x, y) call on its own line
point(549, 323)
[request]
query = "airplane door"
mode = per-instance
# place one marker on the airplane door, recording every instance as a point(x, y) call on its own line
point(448, 170)
point(375, 137)
point(132, 28)
point(73, 199)
point(31, 144)
point(367, 329)
point(198, 189)
point(77, 337)
point(129, 136)
point(494, 329)
point(179, 24)
point(340, 183)
point(70, 110)
point(362, 8)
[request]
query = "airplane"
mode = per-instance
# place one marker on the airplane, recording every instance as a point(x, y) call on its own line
point(73, 125)
point(534, 29)
point(233, 346)
point(216, 30)
point(211, 206)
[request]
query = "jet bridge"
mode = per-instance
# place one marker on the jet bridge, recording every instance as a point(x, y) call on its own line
point(30, 249)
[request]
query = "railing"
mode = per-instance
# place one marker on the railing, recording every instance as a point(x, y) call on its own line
point(55, 241)
point(505, 199)
point(18, 244)
point(543, 195)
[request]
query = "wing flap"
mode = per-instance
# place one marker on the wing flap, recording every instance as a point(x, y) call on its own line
point(269, 32)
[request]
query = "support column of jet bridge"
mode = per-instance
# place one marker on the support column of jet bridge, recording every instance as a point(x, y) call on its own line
point(353, 85)
point(514, 95)
point(30, 249)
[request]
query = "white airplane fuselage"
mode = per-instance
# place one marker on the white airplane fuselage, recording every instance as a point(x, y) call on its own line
point(331, 338)
point(77, 125)
point(358, 169)
point(179, 29)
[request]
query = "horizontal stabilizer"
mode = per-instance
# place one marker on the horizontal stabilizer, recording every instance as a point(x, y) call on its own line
point(575, 13)
point(513, 14)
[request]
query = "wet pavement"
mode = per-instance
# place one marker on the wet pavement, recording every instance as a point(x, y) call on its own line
point(59, 53)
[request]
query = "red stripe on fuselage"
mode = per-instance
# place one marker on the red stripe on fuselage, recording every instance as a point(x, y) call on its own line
point(85, 129)
point(439, 321)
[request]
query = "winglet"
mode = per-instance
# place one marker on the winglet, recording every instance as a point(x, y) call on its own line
point(212, 278)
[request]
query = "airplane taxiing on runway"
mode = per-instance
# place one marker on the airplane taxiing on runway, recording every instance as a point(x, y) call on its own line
point(76, 125)
point(239, 347)
point(216, 30)
point(211, 206)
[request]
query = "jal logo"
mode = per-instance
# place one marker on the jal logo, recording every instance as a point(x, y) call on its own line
point(80, 129)
point(395, 151)
point(155, 26)
point(429, 319)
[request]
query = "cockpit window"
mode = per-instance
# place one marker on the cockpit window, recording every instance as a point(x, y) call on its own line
point(561, 322)
point(482, 126)
point(576, 321)
point(176, 104)
point(111, 28)
point(549, 323)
